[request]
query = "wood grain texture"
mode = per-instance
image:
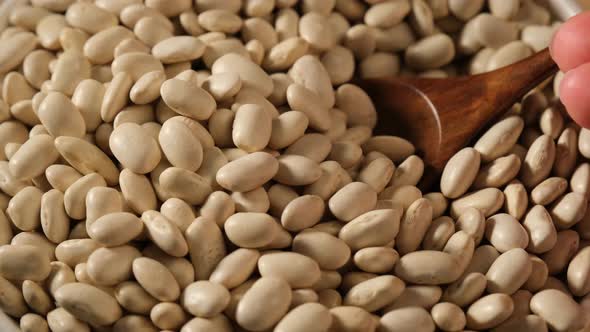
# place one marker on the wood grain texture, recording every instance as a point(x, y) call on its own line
point(441, 116)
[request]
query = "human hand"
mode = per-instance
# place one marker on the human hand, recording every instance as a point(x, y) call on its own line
point(570, 49)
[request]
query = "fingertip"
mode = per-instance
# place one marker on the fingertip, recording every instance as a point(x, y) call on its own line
point(570, 47)
point(574, 94)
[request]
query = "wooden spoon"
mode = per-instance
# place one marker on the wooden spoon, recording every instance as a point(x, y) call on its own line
point(441, 116)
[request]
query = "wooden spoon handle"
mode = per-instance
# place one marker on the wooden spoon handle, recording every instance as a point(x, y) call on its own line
point(565, 9)
point(511, 83)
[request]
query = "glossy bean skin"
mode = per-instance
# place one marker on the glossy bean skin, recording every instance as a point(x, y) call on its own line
point(274, 288)
point(85, 307)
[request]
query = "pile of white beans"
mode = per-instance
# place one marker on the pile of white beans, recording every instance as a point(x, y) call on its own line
point(170, 165)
